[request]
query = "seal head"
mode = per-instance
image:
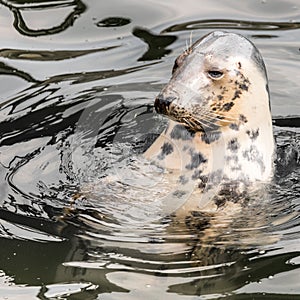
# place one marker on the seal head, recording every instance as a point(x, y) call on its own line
point(209, 81)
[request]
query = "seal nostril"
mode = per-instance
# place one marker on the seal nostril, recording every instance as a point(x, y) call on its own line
point(162, 104)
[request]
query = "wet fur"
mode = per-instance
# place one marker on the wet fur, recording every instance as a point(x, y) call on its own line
point(220, 130)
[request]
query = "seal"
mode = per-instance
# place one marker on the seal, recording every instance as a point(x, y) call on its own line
point(220, 131)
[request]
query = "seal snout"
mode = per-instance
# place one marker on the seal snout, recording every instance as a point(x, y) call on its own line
point(162, 104)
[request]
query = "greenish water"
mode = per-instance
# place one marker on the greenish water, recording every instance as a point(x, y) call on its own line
point(78, 80)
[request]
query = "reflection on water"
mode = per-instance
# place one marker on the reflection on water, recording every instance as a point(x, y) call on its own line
point(113, 22)
point(77, 109)
point(156, 44)
point(18, 8)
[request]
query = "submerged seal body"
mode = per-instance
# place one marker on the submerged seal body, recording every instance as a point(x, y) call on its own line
point(220, 131)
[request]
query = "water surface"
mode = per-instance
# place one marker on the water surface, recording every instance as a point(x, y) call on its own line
point(78, 79)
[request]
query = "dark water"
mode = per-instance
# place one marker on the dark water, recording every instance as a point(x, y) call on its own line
point(78, 79)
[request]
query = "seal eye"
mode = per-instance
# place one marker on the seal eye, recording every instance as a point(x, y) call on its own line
point(215, 75)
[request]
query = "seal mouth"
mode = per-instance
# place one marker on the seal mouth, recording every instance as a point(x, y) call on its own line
point(166, 107)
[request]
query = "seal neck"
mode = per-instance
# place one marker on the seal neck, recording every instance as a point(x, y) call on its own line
point(243, 152)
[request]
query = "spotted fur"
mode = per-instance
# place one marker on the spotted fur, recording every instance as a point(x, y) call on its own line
point(220, 123)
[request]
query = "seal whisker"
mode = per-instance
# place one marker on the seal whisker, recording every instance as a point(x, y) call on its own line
point(233, 115)
point(186, 48)
point(207, 115)
point(191, 39)
point(192, 122)
point(203, 122)
point(224, 118)
point(205, 118)
point(188, 44)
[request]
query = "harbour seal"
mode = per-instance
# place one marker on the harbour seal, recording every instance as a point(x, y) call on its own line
point(220, 131)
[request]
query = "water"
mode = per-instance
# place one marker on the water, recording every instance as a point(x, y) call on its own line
point(78, 79)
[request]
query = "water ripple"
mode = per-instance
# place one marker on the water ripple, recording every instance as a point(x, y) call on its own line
point(234, 24)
